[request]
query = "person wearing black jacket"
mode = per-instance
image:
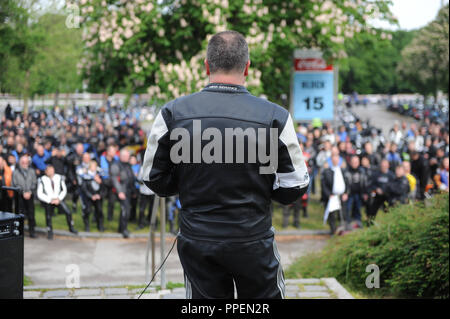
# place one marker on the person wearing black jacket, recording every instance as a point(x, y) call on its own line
point(122, 178)
point(420, 169)
point(91, 189)
point(368, 173)
point(58, 161)
point(9, 112)
point(357, 186)
point(334, 188)
point(373, 158)
point(398, 189)
point(6, 196)
point(73, 160)
point(226, 236)
point(379, 188)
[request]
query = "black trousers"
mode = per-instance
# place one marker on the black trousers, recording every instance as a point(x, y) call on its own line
point(339, 217)
point(144, 202)
point(26, 207)
point(368, 205)
point(111, 198)
point(213, 268)
point(377, 203)
point(74, 189)
point(125, 207)
point(98, 212)
point(287, 213)
point(6, 203)
point(422, 184)
point(332, 221)
point(62, 208)
point(133, 206)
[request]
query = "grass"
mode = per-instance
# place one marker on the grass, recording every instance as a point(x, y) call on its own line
point(171, 285)
point(27, 281)
point(59, 220)
point(313, 222)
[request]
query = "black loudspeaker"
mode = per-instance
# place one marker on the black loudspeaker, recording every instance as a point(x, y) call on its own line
point(11, 256)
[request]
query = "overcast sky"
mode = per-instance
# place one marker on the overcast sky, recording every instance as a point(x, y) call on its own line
point(412, 14)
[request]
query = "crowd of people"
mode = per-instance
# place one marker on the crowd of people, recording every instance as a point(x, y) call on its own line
point(359, 168)
point(89, 157)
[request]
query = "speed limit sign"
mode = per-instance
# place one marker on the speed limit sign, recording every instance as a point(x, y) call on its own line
point(312, 86)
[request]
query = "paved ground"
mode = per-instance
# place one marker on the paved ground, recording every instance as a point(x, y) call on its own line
point(307, 288)
point(379, 117)
point(117, 261)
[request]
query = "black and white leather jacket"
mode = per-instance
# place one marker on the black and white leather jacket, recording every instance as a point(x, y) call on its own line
point(222, 192)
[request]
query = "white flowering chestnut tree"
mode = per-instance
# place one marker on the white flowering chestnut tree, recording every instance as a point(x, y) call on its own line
point(158, 46)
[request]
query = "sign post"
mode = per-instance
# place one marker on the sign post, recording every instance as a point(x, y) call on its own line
point(312, 87)
point(162, 209)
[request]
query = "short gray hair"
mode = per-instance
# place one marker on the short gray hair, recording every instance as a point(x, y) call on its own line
point(227, 52)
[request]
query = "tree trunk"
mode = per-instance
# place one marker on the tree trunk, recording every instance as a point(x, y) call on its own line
point(26, 87)
point(66, 103)
point(56, 98)
point(105, 99)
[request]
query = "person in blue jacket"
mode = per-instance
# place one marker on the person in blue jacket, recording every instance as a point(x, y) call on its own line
point(39, 159)
point(106, 160)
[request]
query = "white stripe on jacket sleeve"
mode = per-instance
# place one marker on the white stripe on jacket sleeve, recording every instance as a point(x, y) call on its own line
point(159, 128)
point(300, 176)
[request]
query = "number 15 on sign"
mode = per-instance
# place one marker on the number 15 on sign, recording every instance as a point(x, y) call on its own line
point(312, 95)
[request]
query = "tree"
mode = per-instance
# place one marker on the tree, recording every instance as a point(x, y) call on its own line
point(425, 61)
point(19, 48)
point(159, 46)
point(38, 52)
point(8, 16)
point(372, 63)
point(55, 66)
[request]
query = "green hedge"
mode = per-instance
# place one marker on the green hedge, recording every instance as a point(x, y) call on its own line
point(409, 244)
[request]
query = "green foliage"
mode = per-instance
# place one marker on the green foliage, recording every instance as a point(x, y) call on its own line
point(18, 43)
point(425, 61)
point(27, 281)
point(371, 66)
point(172, 285)
point(38, 53)
point(409, 244)
point(55, 67)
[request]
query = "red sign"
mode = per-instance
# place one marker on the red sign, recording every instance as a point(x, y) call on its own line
point(311, 64)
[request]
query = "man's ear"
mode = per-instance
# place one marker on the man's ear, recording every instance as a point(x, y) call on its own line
point(207, 67)
point(246, 68)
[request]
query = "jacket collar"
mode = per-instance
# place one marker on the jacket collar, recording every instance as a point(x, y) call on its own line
point(225, 88)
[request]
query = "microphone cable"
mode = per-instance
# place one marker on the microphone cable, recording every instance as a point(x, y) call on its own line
point(162, 264)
